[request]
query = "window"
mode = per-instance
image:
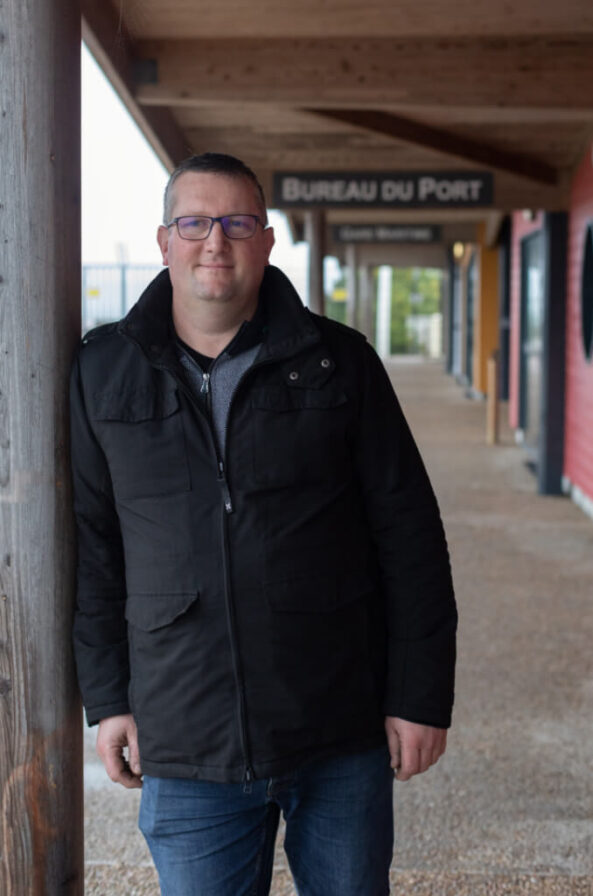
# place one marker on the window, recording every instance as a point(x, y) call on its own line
point(587, 294)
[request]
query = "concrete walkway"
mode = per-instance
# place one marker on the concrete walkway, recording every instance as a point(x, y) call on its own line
point(509, 809)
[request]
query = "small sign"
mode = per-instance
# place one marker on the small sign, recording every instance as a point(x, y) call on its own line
point(386, 233)
point(93, 293)
point(404, 189)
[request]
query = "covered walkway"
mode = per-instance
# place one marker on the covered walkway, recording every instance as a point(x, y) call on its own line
point(509, 810)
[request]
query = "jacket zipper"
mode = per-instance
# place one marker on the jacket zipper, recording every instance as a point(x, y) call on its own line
point(232, 627)
point(228, 597)
point(227, 509)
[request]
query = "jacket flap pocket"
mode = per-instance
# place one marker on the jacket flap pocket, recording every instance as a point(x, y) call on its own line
point(296, 400)
point(135, 405)
point(318, 594)
point(150, 612)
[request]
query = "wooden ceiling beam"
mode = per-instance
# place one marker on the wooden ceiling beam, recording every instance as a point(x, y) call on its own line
point(337, 140)
point(535, 72)
point(442, 141)
point(280, 118)
point(344, 18)
point(304, 151)
point(108, 40)
point(270, 151)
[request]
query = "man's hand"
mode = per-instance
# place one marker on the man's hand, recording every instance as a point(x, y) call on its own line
point(413, 748)
point(115, 733)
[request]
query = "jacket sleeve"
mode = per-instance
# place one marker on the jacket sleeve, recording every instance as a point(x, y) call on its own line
point(412, 555)
point(100, 631)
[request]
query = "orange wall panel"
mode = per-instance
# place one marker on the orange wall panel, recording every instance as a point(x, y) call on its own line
point(486, 333)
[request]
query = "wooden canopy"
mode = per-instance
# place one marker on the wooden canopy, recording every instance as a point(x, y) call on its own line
point(340, 85)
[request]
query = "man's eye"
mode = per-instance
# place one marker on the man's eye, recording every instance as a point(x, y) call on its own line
point(241, 226)
point(191, 223)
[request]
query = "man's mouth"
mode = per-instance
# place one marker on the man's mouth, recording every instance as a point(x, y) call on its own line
point(216, 267)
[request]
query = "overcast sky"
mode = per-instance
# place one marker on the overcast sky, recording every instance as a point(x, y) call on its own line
point(123, 184)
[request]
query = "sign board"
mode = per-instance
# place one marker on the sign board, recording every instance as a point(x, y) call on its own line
point(403, 189)
point(386, 233)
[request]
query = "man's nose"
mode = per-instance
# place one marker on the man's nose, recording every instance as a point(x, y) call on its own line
point(217, 238)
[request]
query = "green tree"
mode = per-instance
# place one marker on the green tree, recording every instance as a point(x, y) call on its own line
point(336, 309)
point(414, 291)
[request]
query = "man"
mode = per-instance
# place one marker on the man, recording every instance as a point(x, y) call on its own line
point(265, 612)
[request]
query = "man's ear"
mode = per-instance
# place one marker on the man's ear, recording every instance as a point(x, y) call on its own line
point(270, 240)
point(162, 238)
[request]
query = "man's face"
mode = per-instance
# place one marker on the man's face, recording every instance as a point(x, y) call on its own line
point(218, 269)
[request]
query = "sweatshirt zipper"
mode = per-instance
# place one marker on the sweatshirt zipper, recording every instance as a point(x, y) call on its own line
point(222, 480)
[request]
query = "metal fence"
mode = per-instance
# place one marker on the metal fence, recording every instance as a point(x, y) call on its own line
point(110, 290)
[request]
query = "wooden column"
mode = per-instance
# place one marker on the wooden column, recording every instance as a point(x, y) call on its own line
point(41, 730)
point(462, 285)
point(504, 291)
point(367, 303)
point(315, 236)
point(451, 280)
point(384, 291)
point(446, 312)
point(492, 408)
point(352, 285)
point(550, 465)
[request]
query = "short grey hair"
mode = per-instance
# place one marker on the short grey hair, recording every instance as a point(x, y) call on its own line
point(214, 163)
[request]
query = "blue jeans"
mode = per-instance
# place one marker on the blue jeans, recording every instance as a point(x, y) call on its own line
point(211, 839)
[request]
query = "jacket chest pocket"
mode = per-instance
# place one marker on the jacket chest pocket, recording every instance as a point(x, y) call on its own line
point(300, 435)
point(141, 433)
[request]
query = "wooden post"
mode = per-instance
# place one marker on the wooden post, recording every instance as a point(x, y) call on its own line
point(315, 236)
point(41, 826)
point(384, 292)
point(492, 401)
point(368, 303)
point(352, 284)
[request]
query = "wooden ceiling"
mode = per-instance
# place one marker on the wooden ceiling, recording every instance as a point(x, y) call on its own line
point(339, 85)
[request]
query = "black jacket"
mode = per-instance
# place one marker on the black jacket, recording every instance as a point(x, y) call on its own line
point(266, 608)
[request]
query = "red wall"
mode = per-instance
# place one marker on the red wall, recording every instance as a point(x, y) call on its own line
point(578, 440)
point(520, 229)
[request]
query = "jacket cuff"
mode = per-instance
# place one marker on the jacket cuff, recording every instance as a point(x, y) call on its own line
point(94, 714)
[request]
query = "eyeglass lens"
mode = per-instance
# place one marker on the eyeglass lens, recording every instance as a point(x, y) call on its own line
point(198, 227)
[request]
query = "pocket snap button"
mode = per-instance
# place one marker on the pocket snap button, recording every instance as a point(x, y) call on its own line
point(293, 375)
point(325, 362)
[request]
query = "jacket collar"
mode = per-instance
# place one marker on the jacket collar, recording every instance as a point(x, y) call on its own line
point(291, 327)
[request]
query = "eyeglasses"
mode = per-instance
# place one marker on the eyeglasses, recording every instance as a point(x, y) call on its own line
point(199, 227)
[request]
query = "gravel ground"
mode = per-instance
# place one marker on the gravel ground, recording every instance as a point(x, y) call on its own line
point(132, 880)
point(509, 809)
